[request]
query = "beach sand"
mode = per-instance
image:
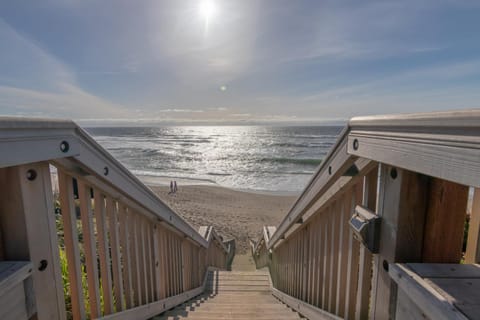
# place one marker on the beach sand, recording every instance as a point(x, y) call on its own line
point(234, 214)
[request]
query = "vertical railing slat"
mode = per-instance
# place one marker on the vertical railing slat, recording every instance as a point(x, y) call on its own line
point(67, 205)
point(126, 255)
point(472, 254)
point(334, 255)
point(103, 252)
point(319, 256)
point(89, 248)
point(142, 233)
point(327, 257)
point(133, 221)
point(156, 260)
point(151, 262)
point(343, 253)
point(112, 215)
point(163, 263)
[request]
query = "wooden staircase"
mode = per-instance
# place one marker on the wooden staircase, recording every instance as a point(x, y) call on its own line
point(233, 295)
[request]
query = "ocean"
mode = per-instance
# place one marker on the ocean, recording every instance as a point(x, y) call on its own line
point(260, 158)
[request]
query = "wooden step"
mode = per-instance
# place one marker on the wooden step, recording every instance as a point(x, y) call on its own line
point(244, 282)
point(234, 296)
point(230, 317)
point(234, 307)
point(229, 312)
point(239, 288)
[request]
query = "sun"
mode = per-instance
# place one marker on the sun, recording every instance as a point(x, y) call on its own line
point(207, 10)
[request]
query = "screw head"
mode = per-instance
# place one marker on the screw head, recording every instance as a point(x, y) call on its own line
point(105, 171)
point(64, 146)
point(385, 265)
point(355, 144)
point(393, 173)
point(31, 174)
point(43, 265)
point(330, 170)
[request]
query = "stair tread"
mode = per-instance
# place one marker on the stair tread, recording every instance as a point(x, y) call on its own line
point(233, 295)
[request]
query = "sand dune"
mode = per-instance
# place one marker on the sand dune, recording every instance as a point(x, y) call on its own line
point(234, 214)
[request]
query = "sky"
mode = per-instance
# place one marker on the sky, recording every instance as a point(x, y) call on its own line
point(229, 62)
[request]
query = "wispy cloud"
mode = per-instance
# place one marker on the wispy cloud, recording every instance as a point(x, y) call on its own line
point(36, 82)
point(179, 111)
point(293, 61)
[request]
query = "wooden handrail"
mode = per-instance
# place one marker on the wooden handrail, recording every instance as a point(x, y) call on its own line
point(414, 171)
point(35, 140)
point(437, 135)
point(140, 257)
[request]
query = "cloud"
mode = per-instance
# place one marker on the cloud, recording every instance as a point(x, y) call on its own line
point(180, 111)
point(72, 102)
point(33, 81)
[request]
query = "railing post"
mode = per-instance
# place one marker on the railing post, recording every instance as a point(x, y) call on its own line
point(445, 222)
point(401, 203)
point(29, 233)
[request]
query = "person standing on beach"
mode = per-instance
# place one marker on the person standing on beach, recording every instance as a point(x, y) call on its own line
point(171, 187)
point(175, 186)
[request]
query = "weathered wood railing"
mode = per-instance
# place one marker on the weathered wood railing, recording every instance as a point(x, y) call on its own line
point(98, 245)
point(414, 172)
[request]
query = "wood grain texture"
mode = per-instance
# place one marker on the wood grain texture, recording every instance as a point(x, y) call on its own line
point(402, 206)
point(126, 255)
point(70, 238)
point(445, 221)
point(39, 211)
point(103, 251)
point(472, 254)
point(432, 303)
point(89, 241)
point(431, 155)
point(113, 231)
point(366, 258)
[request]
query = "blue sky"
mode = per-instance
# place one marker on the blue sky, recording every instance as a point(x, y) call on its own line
point(242, 61)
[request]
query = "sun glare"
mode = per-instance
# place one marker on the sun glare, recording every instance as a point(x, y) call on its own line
point(207, 10)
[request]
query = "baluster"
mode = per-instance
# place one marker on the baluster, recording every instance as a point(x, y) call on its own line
point(472, 254)
point(70, 234)
point(342, 253)
point(89, 248)
point(112, 214)
point(126, 255)
point(103, 254)
point(151, 262)
point(133, 222)
point(143, 258)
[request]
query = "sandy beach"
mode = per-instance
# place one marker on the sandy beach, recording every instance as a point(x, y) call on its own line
point(234, 214)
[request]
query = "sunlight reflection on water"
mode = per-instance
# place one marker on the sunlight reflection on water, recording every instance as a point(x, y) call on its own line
point(245, 157)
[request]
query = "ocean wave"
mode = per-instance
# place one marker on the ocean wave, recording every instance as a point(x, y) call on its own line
point(277, 172)
point(219, 174)
point(169, 176)
point(290, 144)
point(310, 162)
